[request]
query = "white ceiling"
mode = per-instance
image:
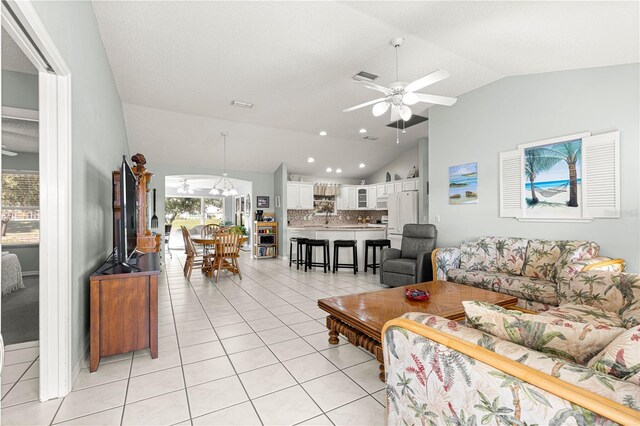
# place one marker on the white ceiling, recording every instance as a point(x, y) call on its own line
point(20, 135)
point(177, 66)
point(12, 57)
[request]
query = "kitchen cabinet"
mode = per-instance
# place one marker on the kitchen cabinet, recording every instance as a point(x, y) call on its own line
point(352, 202)
point(372, 198)
point(380, 190)
point(397, 186)
point(389, 188)
point(362, 197)
point(299, 196)
point(410, 185)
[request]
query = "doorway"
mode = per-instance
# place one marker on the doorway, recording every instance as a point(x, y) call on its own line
point(52, 217)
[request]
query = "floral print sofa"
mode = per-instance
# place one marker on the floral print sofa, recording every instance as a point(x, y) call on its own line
point(442, 372)
point(531, 270)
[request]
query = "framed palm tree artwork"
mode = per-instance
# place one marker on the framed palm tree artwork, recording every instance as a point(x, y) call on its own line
point(567, 178)
point(553, 177)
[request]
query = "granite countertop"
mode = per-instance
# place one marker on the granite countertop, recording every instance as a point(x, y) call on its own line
point(356, 227)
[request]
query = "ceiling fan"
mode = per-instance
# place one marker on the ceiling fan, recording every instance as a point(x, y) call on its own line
point(7, 152)
point(399, 96)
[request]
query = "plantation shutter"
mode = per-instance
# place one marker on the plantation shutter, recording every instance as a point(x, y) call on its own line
point(511, 184)
point(601, 175)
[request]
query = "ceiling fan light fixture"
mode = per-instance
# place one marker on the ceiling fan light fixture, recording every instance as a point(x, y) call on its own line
point(380, 108)
point(405, 112)
point(410, 98)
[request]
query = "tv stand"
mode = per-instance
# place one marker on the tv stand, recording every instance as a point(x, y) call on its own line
point(124, 307)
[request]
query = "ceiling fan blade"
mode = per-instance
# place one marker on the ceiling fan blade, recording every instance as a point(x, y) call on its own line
point(427, 80)
point(435, 99)
point(395, 114)
point(375, 101)
point(377, 87)
point(9, 153)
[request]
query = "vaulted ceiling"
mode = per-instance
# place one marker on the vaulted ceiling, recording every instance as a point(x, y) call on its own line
point(178, 65)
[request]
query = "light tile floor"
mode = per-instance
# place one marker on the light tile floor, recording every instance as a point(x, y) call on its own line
point(239, 352)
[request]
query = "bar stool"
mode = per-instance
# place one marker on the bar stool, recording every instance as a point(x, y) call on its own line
point(375, 244)
point(300, 242)
point(337, 244)
point(309, 263)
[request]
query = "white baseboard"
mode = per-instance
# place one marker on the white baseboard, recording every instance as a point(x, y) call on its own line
point(85, 355)
point(30, 273)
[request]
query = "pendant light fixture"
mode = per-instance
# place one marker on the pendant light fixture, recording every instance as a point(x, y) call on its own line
point(224, 186)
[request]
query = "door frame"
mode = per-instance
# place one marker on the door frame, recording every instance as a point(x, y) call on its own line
point(21, 21)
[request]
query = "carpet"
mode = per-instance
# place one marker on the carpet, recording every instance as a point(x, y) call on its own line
point(20, 313)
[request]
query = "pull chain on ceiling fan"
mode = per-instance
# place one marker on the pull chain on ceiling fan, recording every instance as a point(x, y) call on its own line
point(399, 96)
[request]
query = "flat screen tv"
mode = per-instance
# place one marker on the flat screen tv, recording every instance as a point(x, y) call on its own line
point(127, 226)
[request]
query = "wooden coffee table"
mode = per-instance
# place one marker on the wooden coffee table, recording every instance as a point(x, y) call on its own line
point(360, 317)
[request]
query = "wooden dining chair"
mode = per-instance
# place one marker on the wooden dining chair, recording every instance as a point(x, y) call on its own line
point(227, 253)
point(193, 257)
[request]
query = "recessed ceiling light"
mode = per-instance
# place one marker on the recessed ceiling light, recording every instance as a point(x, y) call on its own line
point(310, 160)
point(338, 170)
point(329, 169)
point(323, 133)
point(362, 165)
point(363, 130)
point(242, 104)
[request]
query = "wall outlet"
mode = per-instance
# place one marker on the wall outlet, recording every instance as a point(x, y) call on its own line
point(437, 218)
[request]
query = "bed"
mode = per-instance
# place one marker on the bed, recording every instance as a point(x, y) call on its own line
point(11, 273)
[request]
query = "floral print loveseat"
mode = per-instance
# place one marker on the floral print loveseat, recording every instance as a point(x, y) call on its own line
point(442, 372)
point(531, 270)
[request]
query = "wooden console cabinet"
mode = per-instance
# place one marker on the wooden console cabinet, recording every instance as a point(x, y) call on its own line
point(124, 308)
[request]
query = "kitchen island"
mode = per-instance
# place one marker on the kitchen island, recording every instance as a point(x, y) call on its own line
point(359, 233)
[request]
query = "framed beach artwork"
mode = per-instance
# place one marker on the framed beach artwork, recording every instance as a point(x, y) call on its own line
point(463, 184)
point(552, 180)
point(573, 178)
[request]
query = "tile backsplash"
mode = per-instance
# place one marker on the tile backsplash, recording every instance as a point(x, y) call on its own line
point(343, 217)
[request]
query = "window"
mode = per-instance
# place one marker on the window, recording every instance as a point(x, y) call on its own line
point(193, 211)
point(20, 207)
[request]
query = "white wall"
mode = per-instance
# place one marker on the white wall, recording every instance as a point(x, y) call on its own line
point(280, 189)
point(515, 110)
point(19, 90)
point(399, 167)
point(99, 141)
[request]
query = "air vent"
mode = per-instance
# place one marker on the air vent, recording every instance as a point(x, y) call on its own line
point(241, 104)
point(371, 138)
point(415, 119)
point(365, 76)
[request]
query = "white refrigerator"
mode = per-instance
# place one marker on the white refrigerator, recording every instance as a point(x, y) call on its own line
point(402, 208)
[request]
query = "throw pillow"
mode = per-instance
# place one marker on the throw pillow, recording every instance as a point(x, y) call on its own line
point(573, 341)
point(511, 254)
point(541, 258)
point(480, 256)
point(574, 251)
point(621, 358)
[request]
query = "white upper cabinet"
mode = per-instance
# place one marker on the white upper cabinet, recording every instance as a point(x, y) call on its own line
point(362, 197)
point(306, 196)
point(380, 190)
point(299, 196)
point(410, 185)
point(397, 186)
point(371, 197)
point(389, 188)
point(293, 196)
